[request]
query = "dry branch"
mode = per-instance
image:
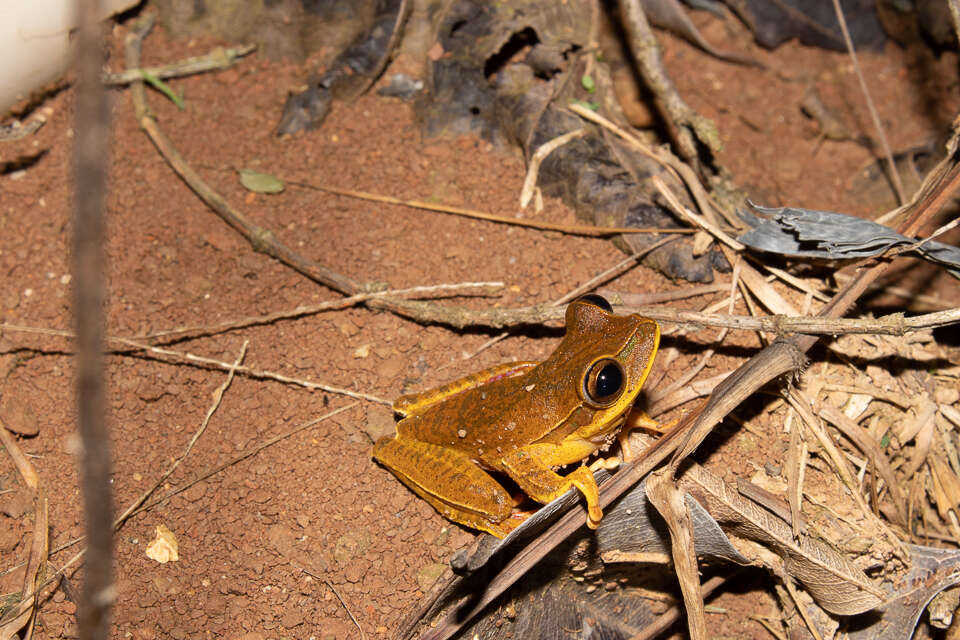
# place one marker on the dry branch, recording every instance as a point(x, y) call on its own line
point(218, 58)
point(90, 151)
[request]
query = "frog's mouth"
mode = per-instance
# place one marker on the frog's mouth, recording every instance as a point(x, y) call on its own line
point(604, 438)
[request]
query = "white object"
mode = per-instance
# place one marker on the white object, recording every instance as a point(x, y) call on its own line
point(35, 43)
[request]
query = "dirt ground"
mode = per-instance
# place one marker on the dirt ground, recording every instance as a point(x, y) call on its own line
point(264, 542)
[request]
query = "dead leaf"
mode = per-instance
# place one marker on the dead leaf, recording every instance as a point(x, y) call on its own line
point(164, 547)
point(832, 579)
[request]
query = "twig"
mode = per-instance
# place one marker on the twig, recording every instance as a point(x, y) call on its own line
point(544, 150)
point(261, 239)
point(647, 53)
point(255, 373)
point(343, 603)
point(894, 324)
point(700, 221)
point(572, 229)
point(217, 397)
point(217, 59)
point(603, 276)
point(667, 160)
point(888, 156)
point(802, 608)
point(330, 305)
point(210, 362)
point(90, 183)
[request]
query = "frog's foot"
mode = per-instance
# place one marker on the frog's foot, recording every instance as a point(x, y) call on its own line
point(605, 463)
point(639, 420)
point(528, 467)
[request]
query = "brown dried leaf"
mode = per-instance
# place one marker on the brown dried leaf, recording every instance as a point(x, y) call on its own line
point(830, 577)
point(946, 486)
point(669, 501)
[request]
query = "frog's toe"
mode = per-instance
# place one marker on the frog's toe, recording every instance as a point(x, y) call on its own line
point(594, 516)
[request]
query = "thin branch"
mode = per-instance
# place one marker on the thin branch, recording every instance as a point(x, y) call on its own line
point(90, 151)
point(211, 363)
point(487, 288)
point(343, 602)
point(646, 50)
point(544, 150)
point(888, 156)
point(218, 58)
point(572, 229)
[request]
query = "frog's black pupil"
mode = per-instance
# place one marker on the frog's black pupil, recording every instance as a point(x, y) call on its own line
point(597, 300)
point(609, 381)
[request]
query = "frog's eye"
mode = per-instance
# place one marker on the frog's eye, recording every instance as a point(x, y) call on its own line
point(596, 300)
point(603, 383)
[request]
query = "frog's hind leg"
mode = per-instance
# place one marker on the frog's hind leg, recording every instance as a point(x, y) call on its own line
point(451, 482)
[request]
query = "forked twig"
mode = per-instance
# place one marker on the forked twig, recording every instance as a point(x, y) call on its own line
point(216, 59)
point(217, 397)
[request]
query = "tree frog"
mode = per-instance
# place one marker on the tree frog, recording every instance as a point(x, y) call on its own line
point(524, 420)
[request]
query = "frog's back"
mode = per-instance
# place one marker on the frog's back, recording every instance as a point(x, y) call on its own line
point(497, 416)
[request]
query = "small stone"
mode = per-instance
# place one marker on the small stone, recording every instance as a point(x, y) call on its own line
point(379, 422)
point(291, 619)
point(18, 416)
point(429, 574)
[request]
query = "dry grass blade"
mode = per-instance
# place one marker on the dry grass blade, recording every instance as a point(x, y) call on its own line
point(872, 450)
point(22, 615)
point(572, 229)
point(699, 221)
point(804, 613)
point(795, 471)
point(888, 156)
point(544, 150)
point(670, 502)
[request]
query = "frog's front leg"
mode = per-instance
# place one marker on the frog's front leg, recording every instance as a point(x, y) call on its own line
point(413, 402)
point(529, 467)
point(451, 482)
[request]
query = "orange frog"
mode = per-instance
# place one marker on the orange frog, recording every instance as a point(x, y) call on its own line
point(523, 419)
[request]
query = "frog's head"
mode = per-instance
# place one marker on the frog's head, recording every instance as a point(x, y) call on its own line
point(611, 355)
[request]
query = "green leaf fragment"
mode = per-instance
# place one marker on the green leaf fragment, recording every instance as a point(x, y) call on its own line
point(260, 182)
point(163, 88)
point(593, 106)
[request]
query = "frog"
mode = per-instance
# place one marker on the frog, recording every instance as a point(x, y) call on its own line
point(524, 420)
